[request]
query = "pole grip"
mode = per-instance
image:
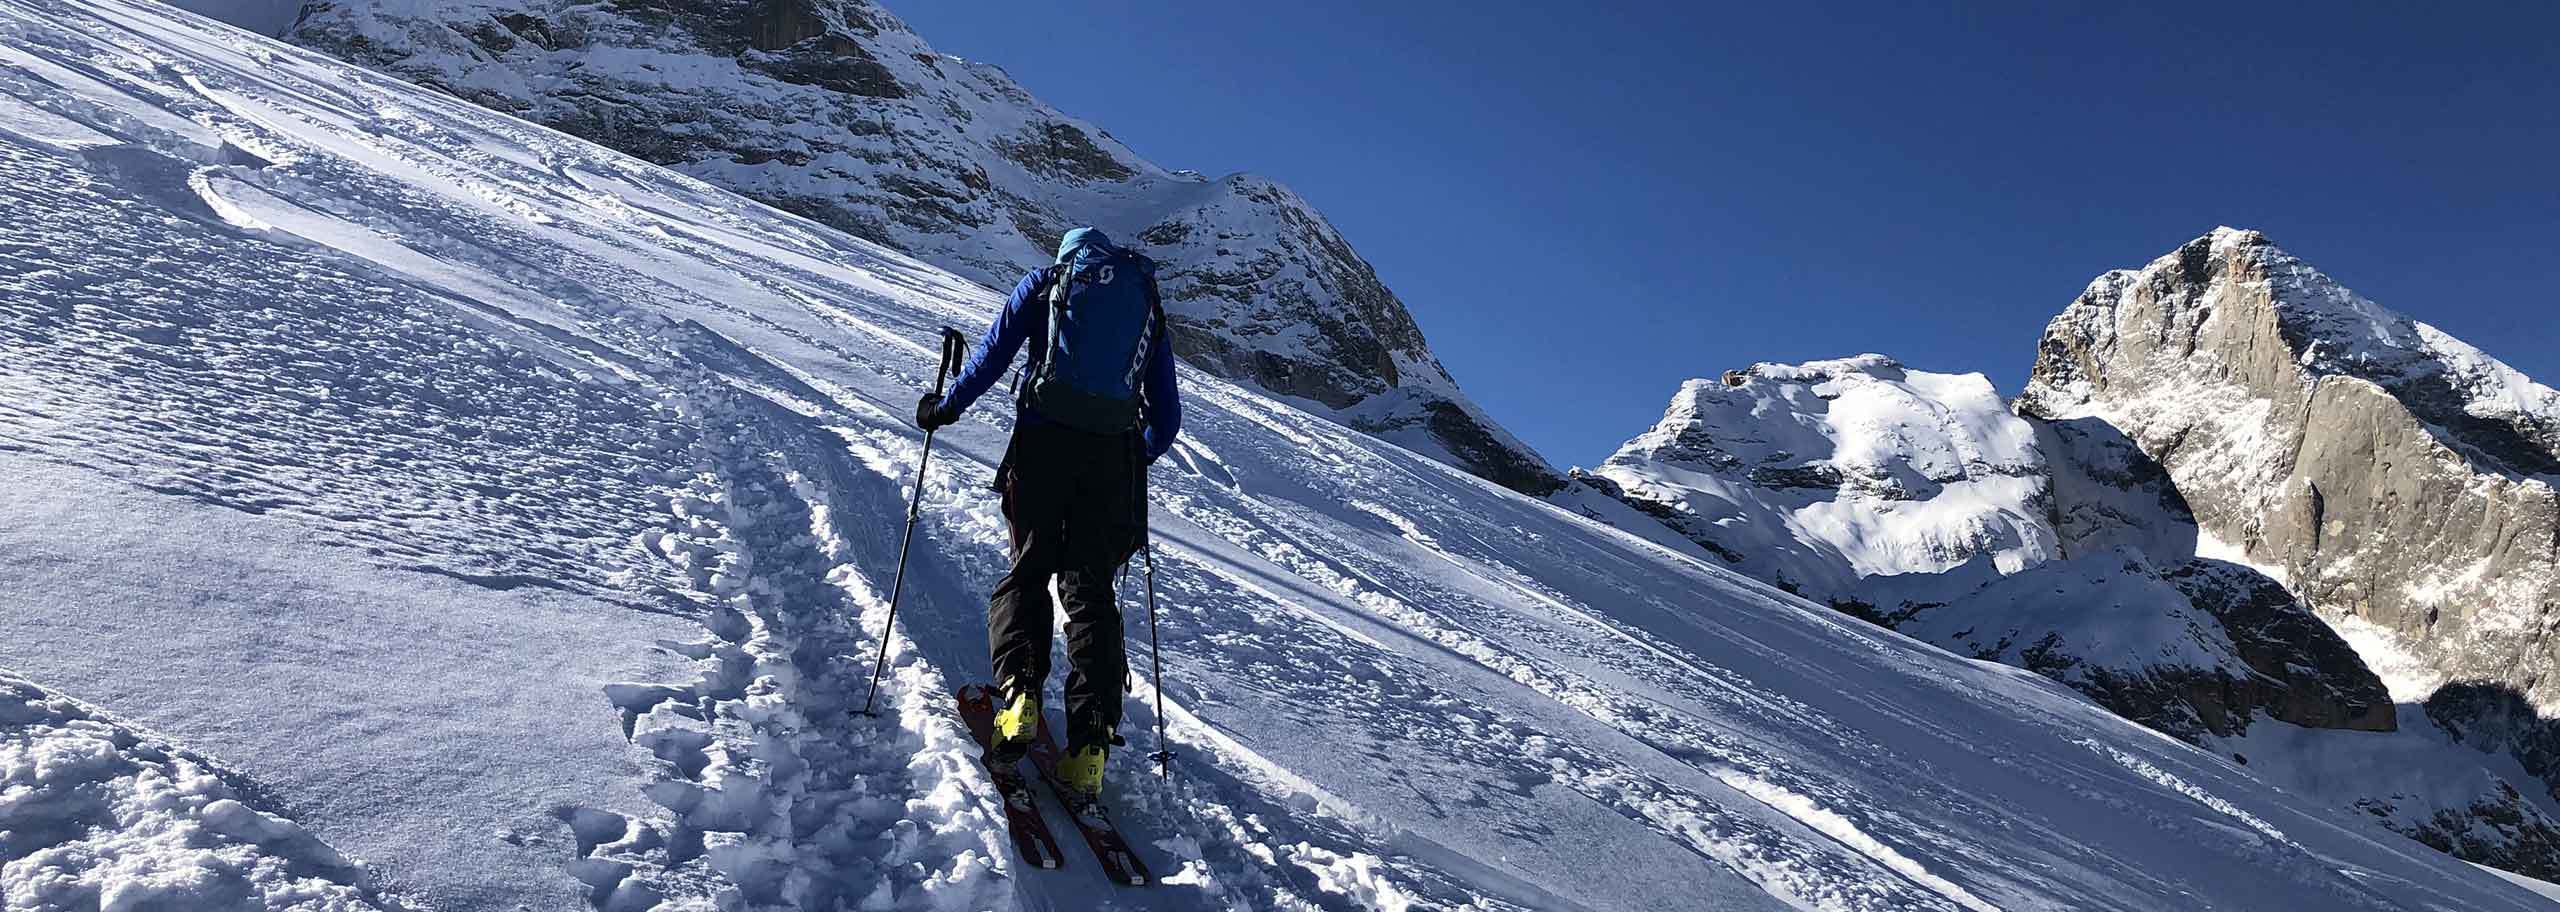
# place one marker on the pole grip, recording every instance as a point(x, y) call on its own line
point(955, 350)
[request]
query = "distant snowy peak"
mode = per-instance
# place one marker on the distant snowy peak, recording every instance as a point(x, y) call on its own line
point(1868, 415)
point(1920, 502)
point(1878, 469)
point(836, 110)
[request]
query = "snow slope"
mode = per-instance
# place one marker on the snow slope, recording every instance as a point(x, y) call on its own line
point(436, 726)
point(471, 370)
point(2543, 887)
point(836, 110)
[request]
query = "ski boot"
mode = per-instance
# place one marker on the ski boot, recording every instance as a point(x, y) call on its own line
point(1080, 775)
point(1017, 723)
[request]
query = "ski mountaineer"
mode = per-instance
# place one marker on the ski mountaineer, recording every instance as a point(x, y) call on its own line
point(1095, 408)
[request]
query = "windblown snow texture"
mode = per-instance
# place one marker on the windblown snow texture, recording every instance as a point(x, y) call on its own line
point(502, 378)
point(95, 814)
point(836, 110)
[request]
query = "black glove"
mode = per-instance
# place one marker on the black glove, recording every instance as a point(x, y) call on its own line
point(929, 413)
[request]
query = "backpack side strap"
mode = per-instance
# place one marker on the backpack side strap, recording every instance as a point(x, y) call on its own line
point(1155, 325)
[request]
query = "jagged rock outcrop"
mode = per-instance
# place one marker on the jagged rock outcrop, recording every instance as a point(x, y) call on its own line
point(836, 110)
point(2390, 472)
point(1918, 501)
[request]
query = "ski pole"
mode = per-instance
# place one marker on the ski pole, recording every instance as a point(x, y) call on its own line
point(1155, 654)
point(954, 348)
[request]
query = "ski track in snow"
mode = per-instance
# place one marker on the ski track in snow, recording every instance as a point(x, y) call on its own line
point(775, 791)
point(473, 348)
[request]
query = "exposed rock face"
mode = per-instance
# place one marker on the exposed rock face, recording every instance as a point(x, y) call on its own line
point(835, 110)
point(2392, 472)
point(2502, 831)
point(2399, 480)
point(1918, 501)
point(2302, 672)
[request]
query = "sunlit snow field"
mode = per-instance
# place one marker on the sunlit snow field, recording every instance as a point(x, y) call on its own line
point(408, 507)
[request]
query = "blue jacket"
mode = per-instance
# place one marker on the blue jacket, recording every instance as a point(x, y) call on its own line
point(1026, 319)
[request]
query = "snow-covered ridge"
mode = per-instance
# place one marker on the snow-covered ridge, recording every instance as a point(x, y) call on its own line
point(590, 404)
point(838, 111)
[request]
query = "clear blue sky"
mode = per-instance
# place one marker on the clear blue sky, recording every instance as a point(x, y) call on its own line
point(1583, 209)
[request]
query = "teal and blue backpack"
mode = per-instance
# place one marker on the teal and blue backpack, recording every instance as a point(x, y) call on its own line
point(1104, 314)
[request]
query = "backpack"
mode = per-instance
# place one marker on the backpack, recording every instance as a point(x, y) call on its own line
point(1104, 314)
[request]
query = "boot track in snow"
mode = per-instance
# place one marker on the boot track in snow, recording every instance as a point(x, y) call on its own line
point(445, 340)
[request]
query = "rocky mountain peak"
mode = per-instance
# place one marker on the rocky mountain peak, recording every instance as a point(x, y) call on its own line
point(2393, 474)
point(2396, 479)
point(2236, 288)
point(2090, 546)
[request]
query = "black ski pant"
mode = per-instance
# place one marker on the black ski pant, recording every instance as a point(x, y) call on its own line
point(1077, 504)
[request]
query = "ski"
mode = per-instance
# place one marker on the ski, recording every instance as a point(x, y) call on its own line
point(1031, 837)
point(1119, 862)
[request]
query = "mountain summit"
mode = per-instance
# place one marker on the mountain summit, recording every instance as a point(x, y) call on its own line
point(836, 110)
point(2398, 478)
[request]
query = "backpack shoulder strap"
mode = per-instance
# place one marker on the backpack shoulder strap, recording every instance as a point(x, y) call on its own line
point(1062, 280)
point(1050, 291)
point(1059, 278)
